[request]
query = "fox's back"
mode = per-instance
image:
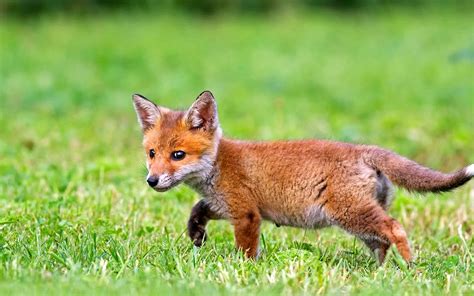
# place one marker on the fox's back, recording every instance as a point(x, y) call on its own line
point(288, 163)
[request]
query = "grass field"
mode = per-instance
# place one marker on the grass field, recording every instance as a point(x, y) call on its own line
point(76, 215)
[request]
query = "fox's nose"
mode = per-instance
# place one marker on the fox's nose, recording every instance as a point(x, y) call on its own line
point(152, 181)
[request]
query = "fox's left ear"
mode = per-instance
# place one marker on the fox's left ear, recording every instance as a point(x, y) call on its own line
point(147, 112)
point(203, 112)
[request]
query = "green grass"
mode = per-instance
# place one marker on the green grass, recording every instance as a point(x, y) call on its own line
point(77, 217)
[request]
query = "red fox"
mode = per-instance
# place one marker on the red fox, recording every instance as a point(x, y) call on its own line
point(307, 183)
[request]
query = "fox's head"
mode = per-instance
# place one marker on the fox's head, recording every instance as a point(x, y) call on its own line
point(179, 145)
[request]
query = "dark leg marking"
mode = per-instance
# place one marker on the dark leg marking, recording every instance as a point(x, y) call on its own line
point(200, 215)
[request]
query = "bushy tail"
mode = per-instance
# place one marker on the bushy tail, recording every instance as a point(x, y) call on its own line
point(412, 176)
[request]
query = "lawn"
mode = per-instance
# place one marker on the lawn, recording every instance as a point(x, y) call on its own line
point(77, 217)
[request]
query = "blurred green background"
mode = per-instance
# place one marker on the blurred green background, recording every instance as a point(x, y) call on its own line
point(75, 213)
point(210, 7)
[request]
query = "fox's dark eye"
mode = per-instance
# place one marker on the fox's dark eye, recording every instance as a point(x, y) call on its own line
point(152, 153)
point(178, 155)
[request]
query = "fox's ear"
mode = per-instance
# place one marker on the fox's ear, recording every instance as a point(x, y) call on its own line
point(203, 112)
point(147, 112)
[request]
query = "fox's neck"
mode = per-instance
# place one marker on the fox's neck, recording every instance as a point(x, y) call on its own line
point(203, 181)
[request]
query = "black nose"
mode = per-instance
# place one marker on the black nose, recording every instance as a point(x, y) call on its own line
point(152, 181)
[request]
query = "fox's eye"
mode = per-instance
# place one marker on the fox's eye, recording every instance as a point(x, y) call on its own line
point(178, 155)
point(152, 153)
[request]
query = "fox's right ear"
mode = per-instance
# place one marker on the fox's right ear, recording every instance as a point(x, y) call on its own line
point(147, 112)
point(203, 112)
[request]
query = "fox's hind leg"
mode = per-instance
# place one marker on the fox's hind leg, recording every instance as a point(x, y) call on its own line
point(359, 197)
point(200, 215)
point(384, 196)
point(368, 220)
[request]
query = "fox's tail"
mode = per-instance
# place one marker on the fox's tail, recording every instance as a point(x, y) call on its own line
point(412, 176)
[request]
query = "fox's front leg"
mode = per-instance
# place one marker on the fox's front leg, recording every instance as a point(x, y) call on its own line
point(200, 215)
point(247, 230)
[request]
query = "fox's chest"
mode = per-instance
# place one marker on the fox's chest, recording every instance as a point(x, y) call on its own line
point(215, 200)
point(218, 205)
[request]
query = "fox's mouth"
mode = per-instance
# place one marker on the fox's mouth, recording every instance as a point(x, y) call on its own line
point(162, 189)
point(165, 188)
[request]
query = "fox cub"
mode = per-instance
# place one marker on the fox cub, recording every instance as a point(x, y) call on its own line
point(308, 183)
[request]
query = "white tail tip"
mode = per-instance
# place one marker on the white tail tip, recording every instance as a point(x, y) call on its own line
point(470, 170)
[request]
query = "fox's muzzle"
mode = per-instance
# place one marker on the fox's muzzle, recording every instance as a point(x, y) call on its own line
point(162, 182)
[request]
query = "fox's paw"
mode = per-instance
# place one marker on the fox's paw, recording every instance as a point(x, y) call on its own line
point(197, 233)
